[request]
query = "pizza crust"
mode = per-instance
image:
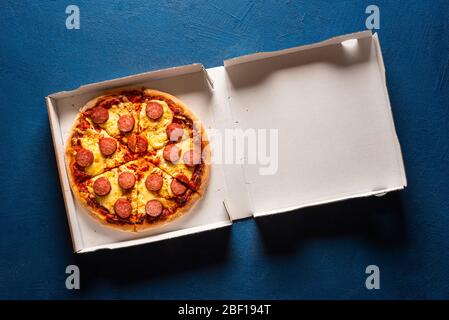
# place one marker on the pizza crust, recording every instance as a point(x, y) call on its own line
point(70, 156)
point(194, 197)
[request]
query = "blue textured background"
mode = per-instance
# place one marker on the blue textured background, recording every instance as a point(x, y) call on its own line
point(317, 253)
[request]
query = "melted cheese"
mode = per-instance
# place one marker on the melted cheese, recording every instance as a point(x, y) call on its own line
point(180, 167)
point(115, 112)
point(155, 130)
point(156, 140)
point(162, 195)
point(161, 123)
point(109, 200)
point(90, 141)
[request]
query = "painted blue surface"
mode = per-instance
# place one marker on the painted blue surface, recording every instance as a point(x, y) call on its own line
point(318, 253)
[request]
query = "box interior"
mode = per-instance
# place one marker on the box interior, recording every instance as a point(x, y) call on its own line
point(330, 106)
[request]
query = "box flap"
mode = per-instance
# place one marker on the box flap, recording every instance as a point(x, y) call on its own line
point(237, 199)
point(329, 104)
point(134, 80)
point(264, 55)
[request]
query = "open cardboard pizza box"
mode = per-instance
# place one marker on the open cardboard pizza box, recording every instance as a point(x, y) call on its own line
point(327, 104)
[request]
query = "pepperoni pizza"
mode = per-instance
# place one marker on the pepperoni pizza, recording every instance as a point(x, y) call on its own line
point(137, 158)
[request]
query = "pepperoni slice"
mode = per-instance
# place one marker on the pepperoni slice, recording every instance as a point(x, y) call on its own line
point(174, 132)
point(125, 123)
point(191, 158)
point(177, 187)
point(153, 208)
point(102, 186)
point(137, 143)
point(84, 157)
point(126, 180)
point(171, 153)
point(107, 146)
point(154, 110)
point(123, 208)
point(154, 182)
point(99, 115)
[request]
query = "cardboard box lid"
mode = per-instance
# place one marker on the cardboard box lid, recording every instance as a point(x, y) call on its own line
point(329, 104)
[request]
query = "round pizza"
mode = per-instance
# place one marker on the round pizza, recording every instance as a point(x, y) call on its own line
point(137, 158)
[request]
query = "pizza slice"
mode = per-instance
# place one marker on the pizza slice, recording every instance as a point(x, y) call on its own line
point(91, 152)
point(118, 115)
point(159, 125)
point(160, 196)
point(164, 119)
point(112, 196)
point(186, 160)
point(155, 116)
